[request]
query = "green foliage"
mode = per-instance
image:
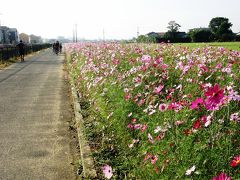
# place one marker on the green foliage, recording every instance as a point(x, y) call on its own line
point(173, 27)
point(146, 39)
point(220, 27)
point(200, 35)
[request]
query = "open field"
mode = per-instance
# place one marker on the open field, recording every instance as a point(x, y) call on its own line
point(228, 45)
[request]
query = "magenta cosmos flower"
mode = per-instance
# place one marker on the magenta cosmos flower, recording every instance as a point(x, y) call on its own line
point(215, 97)
point(222, 176)
point(107, 171)
point(197, 103)
point(236, 161)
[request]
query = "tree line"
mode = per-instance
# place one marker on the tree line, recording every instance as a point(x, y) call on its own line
point(219, 29)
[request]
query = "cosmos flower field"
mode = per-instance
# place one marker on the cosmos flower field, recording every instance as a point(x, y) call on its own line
point(159, 111)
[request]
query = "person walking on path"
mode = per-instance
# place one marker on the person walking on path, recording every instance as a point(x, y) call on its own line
point(57, 46)
point(21, 50)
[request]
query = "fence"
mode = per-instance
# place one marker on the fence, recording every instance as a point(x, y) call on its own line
point(7, 52)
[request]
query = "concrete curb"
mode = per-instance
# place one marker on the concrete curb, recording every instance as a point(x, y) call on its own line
point(85, 152)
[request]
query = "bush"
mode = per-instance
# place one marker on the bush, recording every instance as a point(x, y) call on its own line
point(200, 35)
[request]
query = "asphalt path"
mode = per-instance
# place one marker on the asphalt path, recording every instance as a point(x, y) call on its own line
point(35, 142)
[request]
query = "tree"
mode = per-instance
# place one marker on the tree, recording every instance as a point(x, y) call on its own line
point(173, 26)
point(172, 32)
point(200, 35)
point(220, 28)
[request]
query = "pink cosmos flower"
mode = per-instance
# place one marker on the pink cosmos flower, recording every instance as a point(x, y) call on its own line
point(206, 120)
point(236, 161)
point(234, 117)
point(158, 89)
point(116, 62)
point(176, 106)
point(219, 66)
point(222, 176)
point(203, 67)
point(137, 126)
point(107, 171)
point(154, 159)
point(162, 107)
point(164, 66)
point(233, 95)
point(215, 97)
point(148, 156)
point(141, 102)
point(146, 59)
point(134, 120)
point(144, 128)
point(197, 103)
point(127, 96)
point(177, 123)
point(130, 126)
point(158, 61)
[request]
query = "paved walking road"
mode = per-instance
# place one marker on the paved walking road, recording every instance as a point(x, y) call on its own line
point(35, 142)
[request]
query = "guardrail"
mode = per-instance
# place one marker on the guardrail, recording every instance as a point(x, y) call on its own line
point(8, 52)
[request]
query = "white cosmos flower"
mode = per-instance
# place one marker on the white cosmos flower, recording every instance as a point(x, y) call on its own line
point(189, 171)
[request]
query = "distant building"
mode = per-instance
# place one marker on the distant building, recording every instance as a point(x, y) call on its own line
point(156, 34)
point(13, 36)
point(33, 39)
point(8, 35)
point(182, 35)
point(4, 35)
point(24, 37)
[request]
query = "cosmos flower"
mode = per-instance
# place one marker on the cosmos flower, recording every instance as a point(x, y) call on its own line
point(191, 170)
point(150, 138)
point(197, 103)
point(107, 171)
point(236, 161)
point(197, 124)
point(162, 107)
point(158, 89)
point(235, 117)
point(154, 159)
point(215, 97)
point(222, 176)
point(146, 58)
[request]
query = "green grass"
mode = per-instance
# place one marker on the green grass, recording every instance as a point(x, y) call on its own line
point(228, 45)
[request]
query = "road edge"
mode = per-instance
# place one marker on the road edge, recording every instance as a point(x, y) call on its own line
point(85, 151)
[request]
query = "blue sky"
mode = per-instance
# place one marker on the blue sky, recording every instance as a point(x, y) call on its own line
point(119, 19)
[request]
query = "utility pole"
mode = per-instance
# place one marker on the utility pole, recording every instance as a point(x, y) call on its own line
point(73, 35)
point(103, 35)
point(137, 31)
point(76, 33)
